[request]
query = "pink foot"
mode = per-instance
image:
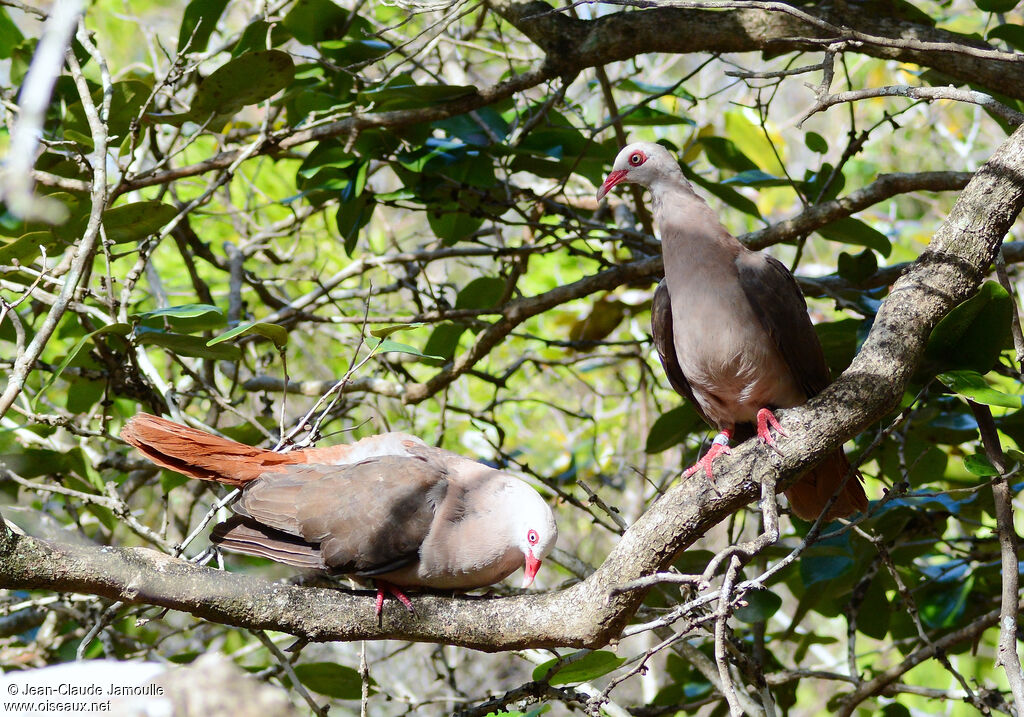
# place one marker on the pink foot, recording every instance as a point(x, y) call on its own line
point(718, 446)
point(385, 588)
point(766, 418)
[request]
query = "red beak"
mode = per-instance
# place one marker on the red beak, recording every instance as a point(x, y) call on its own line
point(530, 569)
point(616, 177)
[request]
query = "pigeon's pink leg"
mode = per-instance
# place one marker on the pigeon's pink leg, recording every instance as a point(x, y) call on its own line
point(386, 588)
point(718, 446)
point(766, 418)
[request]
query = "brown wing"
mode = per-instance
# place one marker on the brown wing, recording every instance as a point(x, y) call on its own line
point(366, 518)
point(242, 535)
point(664, 342)
point(776, 299)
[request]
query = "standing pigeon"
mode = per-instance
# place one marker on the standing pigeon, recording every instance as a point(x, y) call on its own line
point(731, 329)
point(388, 508)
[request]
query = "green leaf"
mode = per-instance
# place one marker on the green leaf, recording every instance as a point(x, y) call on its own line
point(198, 22)
point(245, 80)
point(116, 329)
point(875, 612)
point(724, 154)
point(973, 334)
point(184, 311)
point(27, 247)
point(815, 142)
point(326, 154)
point(10, 35)
point(972, 385)
point(588, 666)
point(1009, 33)
point(187, 318)
point(126, 101)
point(353, 215)
point(750, 139)
point(402, 93)
point(761, 605)
point(945, 603)
point(855, 268)
point(331, 680)
point(170, 480)
point(385, 331)
point(482, 293)
point(311, 21)
point(185, 345)
point(854, 231)
point(381, 346)
point(355, 51)
point(814, 183)
point(444, 339)
point(672, 427)
point(129, 222)
point(277, 334)
point(980, 465)
point(757, 178)
point(452, 224)
point(469, 129)
point(824, 564)
point(727, 194)
point(647, 116)
point(996, 5)
point(839, 342)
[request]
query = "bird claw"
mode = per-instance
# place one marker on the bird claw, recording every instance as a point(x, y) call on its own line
point(385, 588)
point(718, 446)
point(766, 418)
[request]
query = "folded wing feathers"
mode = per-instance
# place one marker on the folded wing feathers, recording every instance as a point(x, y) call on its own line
point(241, 535)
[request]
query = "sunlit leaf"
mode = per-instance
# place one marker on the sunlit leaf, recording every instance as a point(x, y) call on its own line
point(972, 385)
point(186, 318)
point(380, 346)
point(853, 231)
point(980, 465)
point(273, 332)
point(385, 331)
point(588, 667)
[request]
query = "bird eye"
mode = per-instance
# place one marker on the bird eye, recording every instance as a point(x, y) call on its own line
point(532, 537)
point(636, 159)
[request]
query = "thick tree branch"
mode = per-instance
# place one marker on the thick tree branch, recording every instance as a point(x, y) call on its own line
point(590, 613)
point(765, 27)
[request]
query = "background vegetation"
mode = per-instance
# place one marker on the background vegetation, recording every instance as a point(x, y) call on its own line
point(296, 221)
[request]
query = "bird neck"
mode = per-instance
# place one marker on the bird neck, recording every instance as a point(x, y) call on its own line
point(692, 237)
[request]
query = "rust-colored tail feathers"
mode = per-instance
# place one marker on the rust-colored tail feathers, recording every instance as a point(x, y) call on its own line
point(202, 455)
point(807, 497)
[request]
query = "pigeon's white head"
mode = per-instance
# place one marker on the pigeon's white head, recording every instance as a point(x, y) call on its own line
point(643, 163)
point(535, 531)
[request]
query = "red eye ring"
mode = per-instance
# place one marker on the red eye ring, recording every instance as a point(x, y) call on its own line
point(531, 537)
point(637, 158)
